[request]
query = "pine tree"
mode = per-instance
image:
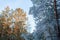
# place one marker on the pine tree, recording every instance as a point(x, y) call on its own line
point(43, 12)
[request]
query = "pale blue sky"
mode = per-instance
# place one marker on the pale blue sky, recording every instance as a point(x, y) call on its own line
point(24, 4)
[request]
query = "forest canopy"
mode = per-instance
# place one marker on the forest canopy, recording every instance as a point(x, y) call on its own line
point(12, 24)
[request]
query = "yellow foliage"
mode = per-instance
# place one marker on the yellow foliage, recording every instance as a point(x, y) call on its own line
point(20, 18)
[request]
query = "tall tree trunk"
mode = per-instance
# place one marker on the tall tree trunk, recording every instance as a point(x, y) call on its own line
point(57, 19)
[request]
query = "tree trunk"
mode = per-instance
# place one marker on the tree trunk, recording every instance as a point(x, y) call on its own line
point(57, 19)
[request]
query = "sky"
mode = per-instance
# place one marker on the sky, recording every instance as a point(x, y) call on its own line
point(13, 4)
point(31, 24)
point(23, 4)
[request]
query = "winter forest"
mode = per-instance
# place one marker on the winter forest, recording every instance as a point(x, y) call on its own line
point(41, 21)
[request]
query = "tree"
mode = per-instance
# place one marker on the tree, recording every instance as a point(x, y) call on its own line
point(43, 12)
point(12, 23)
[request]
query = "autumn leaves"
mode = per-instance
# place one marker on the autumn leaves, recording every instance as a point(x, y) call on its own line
point(13, 21)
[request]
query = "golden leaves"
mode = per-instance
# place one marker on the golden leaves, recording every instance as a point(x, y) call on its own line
point(20, 18)
point(7, 8)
